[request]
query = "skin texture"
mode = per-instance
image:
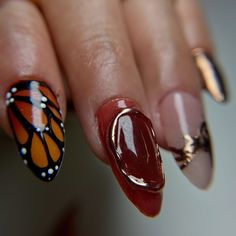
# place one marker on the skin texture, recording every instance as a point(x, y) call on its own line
point(193, 25)
point(165, 64)
point(96, 51)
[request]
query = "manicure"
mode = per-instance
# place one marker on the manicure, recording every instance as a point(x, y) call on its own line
point(211, 75)
point(36, 123)
point(130, 142)
point(187, 136)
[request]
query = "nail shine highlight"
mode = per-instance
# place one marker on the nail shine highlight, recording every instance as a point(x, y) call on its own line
point(132, 141)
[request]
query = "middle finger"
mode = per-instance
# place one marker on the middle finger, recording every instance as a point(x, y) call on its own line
point(95, 51)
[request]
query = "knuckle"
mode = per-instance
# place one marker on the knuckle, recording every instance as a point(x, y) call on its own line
point(102, 51)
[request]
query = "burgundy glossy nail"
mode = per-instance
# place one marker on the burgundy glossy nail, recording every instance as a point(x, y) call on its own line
point(130, 142)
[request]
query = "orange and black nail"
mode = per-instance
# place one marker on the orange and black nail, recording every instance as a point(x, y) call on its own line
point(36, 123)
point(212, 77)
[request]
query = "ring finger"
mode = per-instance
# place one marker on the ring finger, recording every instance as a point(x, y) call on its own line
point(172, 85)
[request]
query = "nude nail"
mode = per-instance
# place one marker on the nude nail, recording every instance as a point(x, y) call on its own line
point(187, 136)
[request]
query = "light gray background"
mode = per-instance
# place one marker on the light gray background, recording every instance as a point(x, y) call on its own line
point(29, 207)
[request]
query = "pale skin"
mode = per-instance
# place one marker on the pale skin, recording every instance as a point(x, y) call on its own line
point(97, 50)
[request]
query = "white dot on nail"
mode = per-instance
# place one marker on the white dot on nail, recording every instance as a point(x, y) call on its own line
point(47, 128)
point(8, 95)
point(23, 151)
point(50, 171)
point(26, 162)
point(42, 105)
point(13, 90)
point(44, 99)
point(43, 174)
point(12, 100)
point(38, 129)
point(56, 167)
point(62, 125)
point(7, 102)
point(63, 149)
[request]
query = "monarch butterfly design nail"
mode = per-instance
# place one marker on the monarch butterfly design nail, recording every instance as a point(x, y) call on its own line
point(36, 122)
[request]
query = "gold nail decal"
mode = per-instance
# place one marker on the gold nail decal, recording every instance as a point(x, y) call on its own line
point(212, 76)
point(193, 145)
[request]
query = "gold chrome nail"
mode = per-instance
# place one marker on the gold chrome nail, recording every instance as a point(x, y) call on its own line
point(211, 75)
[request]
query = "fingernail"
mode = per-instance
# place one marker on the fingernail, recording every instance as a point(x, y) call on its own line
point(36, 122)
point(130, 143)
point(211, 74)
point(187, 136)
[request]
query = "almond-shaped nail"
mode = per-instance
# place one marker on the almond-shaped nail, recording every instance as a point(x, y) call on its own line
point(187, 136)
point(211, 74)
point(130, 142)
point(36, 123)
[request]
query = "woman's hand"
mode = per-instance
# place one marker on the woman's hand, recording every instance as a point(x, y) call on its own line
point(131, 69)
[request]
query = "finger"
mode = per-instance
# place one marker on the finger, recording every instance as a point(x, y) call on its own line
point(30, 88)
point(108, 94)
point(172, 86)
point(200, 42)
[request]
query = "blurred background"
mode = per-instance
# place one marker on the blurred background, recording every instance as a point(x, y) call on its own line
point(29, 207)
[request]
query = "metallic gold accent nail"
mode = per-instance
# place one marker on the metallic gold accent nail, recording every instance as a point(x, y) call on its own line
point(211, 75)
point(193, 145)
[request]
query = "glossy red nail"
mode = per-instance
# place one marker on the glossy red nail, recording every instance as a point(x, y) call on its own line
point(130, 142)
